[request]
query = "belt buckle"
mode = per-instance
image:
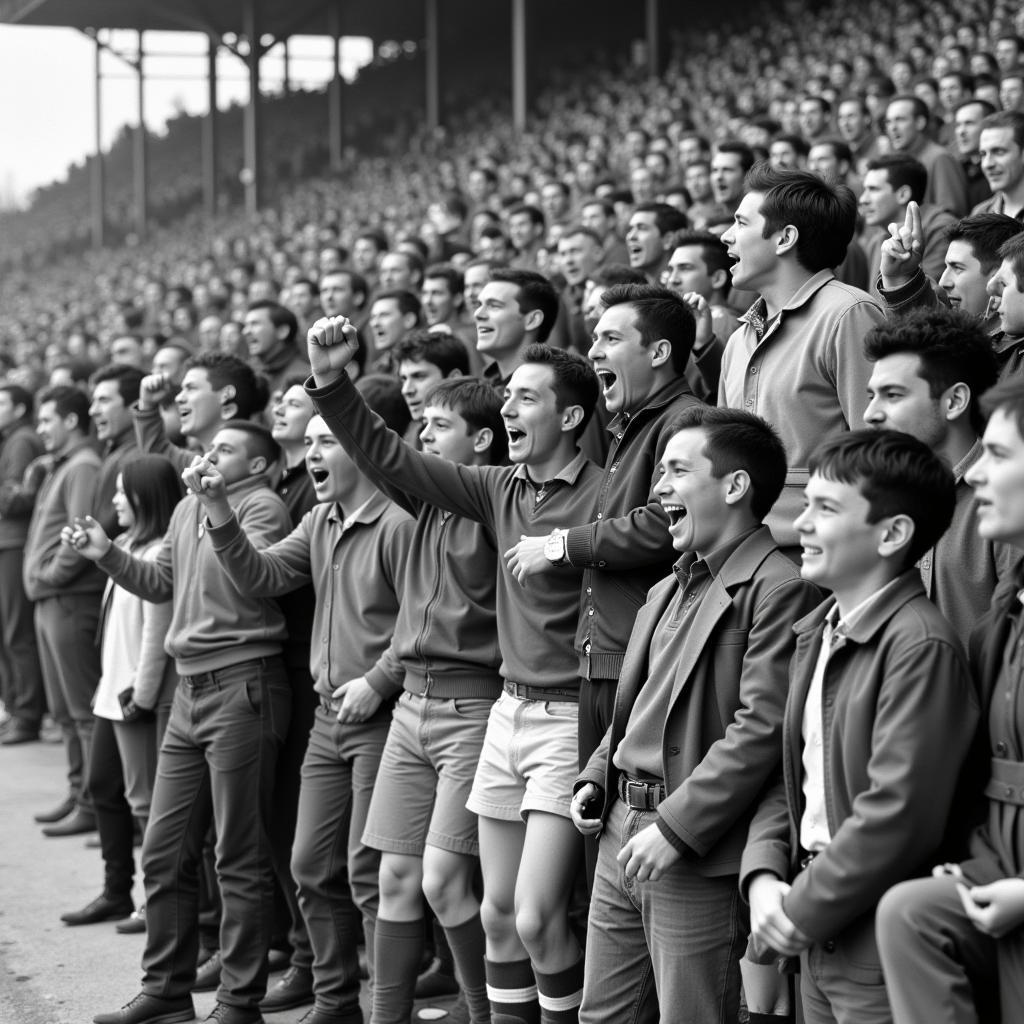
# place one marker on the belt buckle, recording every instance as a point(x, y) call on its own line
point(640, 802)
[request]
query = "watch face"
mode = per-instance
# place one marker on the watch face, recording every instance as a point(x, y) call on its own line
point(553, 548)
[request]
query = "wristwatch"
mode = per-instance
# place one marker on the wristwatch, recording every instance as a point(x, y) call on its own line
point(554, 548)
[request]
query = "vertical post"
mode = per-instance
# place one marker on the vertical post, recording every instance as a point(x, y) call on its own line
point(139, 154)
point(252, 165)
point(209, 143)
point(335, 107)
point(519, 65)
point(286, 87)
point(653, 39)
point(433, 64)
point(98, 196)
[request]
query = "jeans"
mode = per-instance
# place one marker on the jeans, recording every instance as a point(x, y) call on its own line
point(335, 872)
point(22, 676)
point(685, 933)
point(217, 761)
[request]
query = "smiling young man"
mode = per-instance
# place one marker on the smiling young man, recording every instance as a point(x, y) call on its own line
point(952, 942)
point(879, 717)
point(673, 787)
point(796, 359)
point(230, 714)
point(930, 368)
point(1001, 146)
point(354, 546)
point(424, 360)
point(114, 390)
point(529, 850)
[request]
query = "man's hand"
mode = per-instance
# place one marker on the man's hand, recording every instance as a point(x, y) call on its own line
point(903, 250)
point(359, 700)
point(701, 311)
point(585, 826)
point(996, 908)
point(204, 480)
point(86, 536)
point(153, 389)
point(331, 344)
point(768, 921)
point(648, 855)
point(527, 558)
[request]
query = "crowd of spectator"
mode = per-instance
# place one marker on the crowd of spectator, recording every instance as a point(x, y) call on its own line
point(654, 477)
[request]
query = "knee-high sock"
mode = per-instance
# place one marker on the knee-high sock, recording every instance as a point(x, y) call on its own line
point(512, 991)
point(560, 994)
point(398, 948)
point(466, 942)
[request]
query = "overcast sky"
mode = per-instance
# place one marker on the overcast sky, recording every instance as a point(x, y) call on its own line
point(46, 92)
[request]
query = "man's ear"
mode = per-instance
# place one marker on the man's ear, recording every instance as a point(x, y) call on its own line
point(788, 237)
point(661, 352)
point(572, 417)
point(533, 319)
point(738, 486)
point(956, 401)
point(897, 537)
point(482, 440)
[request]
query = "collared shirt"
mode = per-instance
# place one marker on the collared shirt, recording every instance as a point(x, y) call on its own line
point(815, 833)
point(639, 754)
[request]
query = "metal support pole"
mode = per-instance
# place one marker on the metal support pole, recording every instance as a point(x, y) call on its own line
point(653, 39)
point(519, 65)
point(139, 154)
point(335, 98)
point(209, 136)
point(433, 64)
point(98, 203)
point(286, 87)
point(252, 165)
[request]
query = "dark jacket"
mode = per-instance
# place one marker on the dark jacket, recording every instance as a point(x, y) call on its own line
point(899, 713)
point(20, 446)
point(722, 736)
point(626, 548)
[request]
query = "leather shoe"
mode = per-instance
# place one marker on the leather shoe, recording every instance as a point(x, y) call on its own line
point(208, 974)
point(315, 1016)
point(146, 1009)
point(76, 824)
point(436, 981)
point(224, 1013)
point(18, 733)
point(59, 813)
point(135, 925)
point(294, 989)
point(104, 908)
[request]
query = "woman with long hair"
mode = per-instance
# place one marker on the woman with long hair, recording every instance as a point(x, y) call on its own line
point(133, 700)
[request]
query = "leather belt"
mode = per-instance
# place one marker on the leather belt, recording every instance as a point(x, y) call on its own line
point(524, 692)
point(639, 795)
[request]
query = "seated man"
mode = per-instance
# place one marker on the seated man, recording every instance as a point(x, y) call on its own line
point(674, 786)
point(878, 722)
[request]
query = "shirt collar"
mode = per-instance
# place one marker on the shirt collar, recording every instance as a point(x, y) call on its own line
point(841, 628)
point(715, 561)
point(369, 512)
point(568, 474)
point(969, 459)
point(758, 312)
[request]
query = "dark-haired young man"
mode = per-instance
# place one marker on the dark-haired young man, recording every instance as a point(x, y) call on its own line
point(393, 314)
point(217, 761)
point(1001, 146)
point(526, 229)
point(424, 360)
point(20, 446)
point(930, 368)
point(797, 359)
point(518, 308)
point(115, 389)
point(730, 164)
point(269, 331)
point(215, 388)
point(66, 590)
point(879, 718)
point(648, 238)
point(675, 783)
point(529, 756)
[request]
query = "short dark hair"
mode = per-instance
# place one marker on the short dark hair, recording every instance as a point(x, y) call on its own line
point(741, 149)
point(67, 401)
point(902, 170)
point(152, 487)
point(356, 281)
point(383, 394)
point(575, 382)
point(129, 380)
point(973, 101)
point(444, 351)
point(378, 238)
point(536, 215)
point(823, 103)
point(309, 283)
point(251, 390)
point(797, 143)
point(535, 292)
point(1012, 119)
point(259, 442)
point(713, 251)
point(840, 149)
point(898, 475)
point(479, 404)
point(985, 233)
point(952, 346)
point(1007, 396)
point(659, 313)
point(609, 274)
point(823, 213)
point(448, 273)
point(405, 300)
point(666, 218)
point(280, 316)
point(918, 104)
point(19, 396)
point(1012, 250)
point(739, 440)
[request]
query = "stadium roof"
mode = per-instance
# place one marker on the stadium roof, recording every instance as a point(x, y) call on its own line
point(378, 19)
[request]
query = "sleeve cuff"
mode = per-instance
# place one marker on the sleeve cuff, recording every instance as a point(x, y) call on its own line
point(678, 845)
